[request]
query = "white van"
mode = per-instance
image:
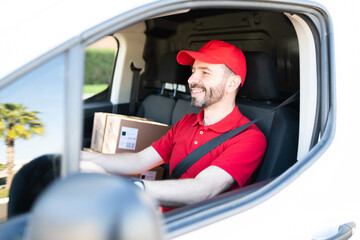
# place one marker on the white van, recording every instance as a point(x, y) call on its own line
point(65, 60)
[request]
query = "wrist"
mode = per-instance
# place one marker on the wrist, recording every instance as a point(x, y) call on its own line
point(139, 183)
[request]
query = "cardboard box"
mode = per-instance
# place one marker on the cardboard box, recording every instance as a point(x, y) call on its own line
point(115, 133)
point(99, 127)
point(97, 136)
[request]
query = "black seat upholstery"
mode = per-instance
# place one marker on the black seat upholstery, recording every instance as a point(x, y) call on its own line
point(280, 128)
point(181, 108)
point(261, 78)
point(159, 107)
point(30, 182)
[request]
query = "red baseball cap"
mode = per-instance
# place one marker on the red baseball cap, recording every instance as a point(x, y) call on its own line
point(217, 52)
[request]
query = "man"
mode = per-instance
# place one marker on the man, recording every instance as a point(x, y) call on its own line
point(218, 71)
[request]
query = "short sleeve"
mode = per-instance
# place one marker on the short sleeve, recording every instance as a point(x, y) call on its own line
point(242, 155)
point(164, 146)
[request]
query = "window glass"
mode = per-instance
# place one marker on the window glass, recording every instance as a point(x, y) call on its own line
point(31, 124)
point(99, 63)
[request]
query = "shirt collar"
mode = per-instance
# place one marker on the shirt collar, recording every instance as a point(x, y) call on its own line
point(225, 124)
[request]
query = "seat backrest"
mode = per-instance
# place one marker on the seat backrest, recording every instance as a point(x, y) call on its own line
point(158, 107)
point(181, 108)
point(280, 128)
point(171, 71)
point(30, 181)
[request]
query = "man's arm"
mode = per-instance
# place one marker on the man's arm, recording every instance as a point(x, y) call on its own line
point(121, 163)
point(174, 193)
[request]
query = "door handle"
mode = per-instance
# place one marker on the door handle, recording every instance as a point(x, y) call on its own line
point(345, 231)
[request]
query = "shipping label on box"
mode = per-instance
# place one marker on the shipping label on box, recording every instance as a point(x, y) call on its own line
point(128, 138)
point(147, 133)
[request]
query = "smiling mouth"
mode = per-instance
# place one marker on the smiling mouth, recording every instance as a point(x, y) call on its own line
point(197, 90)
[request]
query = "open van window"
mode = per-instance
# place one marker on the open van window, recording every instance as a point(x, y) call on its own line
point(271, 46)
point(100, 60)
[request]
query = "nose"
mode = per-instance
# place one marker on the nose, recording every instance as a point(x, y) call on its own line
point(193, 78)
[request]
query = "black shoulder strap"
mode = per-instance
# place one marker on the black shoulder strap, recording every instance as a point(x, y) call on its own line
point(201, 151)
point(134, 88)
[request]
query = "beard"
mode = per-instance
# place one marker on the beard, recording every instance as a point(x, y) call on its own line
point(211, 96)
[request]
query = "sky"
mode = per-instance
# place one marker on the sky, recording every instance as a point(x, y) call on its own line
point(40, 90)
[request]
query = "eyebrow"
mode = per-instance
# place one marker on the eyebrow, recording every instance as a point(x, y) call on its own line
point(203, 68)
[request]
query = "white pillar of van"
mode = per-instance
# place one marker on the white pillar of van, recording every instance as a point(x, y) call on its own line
point(131, 49)
point(94, 207)
point(308, 83)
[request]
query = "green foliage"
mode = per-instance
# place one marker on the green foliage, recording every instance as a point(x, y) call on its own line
point(16, 122)
point(4, 193)
point(96, 88)
point(2, 167)
point(98, 65)
point(2, 127)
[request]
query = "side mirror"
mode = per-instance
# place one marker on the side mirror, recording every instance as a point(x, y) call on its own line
point(94, 207)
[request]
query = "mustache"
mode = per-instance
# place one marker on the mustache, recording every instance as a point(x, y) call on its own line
point(195, 85)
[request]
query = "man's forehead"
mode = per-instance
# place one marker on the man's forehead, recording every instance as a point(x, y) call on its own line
point(210, 66)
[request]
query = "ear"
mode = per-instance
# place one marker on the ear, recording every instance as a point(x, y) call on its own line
point(234, 82)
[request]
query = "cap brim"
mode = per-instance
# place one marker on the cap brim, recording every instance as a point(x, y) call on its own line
point(189, 57)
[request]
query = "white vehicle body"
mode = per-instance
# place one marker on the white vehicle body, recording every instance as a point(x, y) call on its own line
point(308, 201)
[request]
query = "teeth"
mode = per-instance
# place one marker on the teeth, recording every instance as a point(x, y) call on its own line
point(196, 91)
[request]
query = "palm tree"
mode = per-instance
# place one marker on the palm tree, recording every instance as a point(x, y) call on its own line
point(15, 123)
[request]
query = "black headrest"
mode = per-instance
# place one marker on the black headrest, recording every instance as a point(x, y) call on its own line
point(171, 71)
point(261, 80)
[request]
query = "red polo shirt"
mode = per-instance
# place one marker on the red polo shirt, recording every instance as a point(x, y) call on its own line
point(238, 156)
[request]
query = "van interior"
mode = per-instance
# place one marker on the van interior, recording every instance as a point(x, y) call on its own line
point(159, 90)
point(146, 81)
